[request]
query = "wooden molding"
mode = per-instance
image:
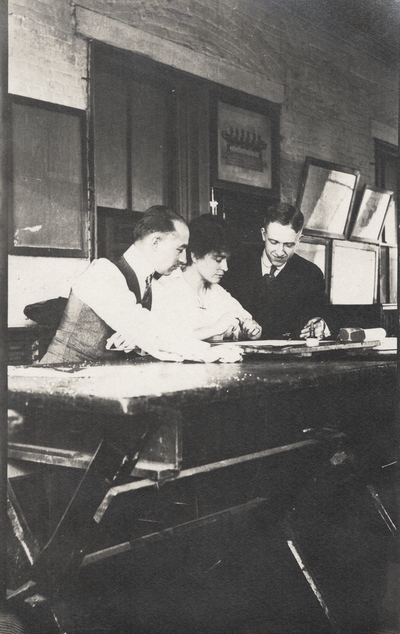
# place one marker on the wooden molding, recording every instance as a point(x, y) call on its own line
point(93, 25)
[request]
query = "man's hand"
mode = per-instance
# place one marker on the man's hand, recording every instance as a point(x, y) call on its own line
point(320, 327)
point(223, 353)
point(119, 343)
point(251, 329)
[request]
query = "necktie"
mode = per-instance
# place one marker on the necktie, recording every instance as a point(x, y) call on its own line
point(147, 296)
point(271, 275)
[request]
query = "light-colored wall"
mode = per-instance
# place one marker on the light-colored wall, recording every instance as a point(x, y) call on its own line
point(46, 62)
point(332, 90)
point(33, 279)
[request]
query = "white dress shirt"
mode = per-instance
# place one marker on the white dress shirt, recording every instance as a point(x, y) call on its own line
point(104, 289)
point(266, 265)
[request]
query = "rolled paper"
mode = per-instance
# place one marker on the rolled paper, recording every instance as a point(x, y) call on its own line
point(361, 334)
point(351, 334)
point(375, 333)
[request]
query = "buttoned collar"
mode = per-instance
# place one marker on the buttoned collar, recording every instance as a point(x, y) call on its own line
point(266, 265)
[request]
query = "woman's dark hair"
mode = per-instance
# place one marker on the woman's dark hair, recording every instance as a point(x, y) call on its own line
point(208, 234)
point(285, 214)
point(156, 218)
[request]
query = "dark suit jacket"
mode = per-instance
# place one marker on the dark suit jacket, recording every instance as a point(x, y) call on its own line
point(284, 305)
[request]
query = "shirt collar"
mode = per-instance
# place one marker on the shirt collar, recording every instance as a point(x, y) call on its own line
point(139, 264)
point(266, 264)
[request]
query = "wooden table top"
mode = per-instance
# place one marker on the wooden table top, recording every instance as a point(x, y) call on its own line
point(130, 387)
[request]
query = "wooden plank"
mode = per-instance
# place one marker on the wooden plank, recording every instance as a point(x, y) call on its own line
point(68, 541)
point(23, 548)
point(173, 531)
point(308, 574)
point(49, 455)
point(207, 468)
point(304, 350)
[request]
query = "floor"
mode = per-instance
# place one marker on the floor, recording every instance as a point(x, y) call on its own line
point(243, 578)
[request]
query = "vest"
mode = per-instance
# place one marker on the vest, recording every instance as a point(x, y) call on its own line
point(82, 335)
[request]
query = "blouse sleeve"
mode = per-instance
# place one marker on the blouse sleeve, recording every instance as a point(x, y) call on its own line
point(229, 304)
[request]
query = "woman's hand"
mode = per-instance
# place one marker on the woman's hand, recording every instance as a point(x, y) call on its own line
point(251, 329)
point(226, 325)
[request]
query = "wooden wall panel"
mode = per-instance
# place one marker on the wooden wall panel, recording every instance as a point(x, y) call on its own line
point(110, 141)
point(148, 106)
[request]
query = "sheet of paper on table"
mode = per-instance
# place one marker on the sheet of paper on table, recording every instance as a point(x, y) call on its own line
point(260, 343)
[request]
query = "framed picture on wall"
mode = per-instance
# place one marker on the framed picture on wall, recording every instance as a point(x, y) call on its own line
point(354, 273)
point(326, 197)
point(49, 208)
point(244, 144)
point(370, 214)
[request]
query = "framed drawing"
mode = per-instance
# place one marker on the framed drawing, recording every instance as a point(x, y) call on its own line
point(354, 273)
point(371, 213)
point(49, 213)
point(326, 197)
point(244, 144)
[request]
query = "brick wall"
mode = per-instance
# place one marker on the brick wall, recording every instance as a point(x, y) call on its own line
point(333, 90)
point(47, 61)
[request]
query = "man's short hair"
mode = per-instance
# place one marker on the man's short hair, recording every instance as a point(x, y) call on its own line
point(285, 214)
point(156, 219)
point(208, 234)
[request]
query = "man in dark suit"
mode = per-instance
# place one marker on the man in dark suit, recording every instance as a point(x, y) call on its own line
point(284, 292)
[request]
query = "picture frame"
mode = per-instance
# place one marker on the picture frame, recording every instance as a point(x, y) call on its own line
point(389, 233)
point(49, 209)
point(393, 275)
point(388, 275)
point(318, 251)
point(357, 263)
point(244, 144)
point(370, 215)
point(326, 197)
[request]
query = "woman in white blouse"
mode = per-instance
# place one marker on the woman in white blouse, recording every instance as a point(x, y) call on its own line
point(191, 298)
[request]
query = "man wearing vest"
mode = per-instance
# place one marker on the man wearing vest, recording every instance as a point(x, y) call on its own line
point(111, 301)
